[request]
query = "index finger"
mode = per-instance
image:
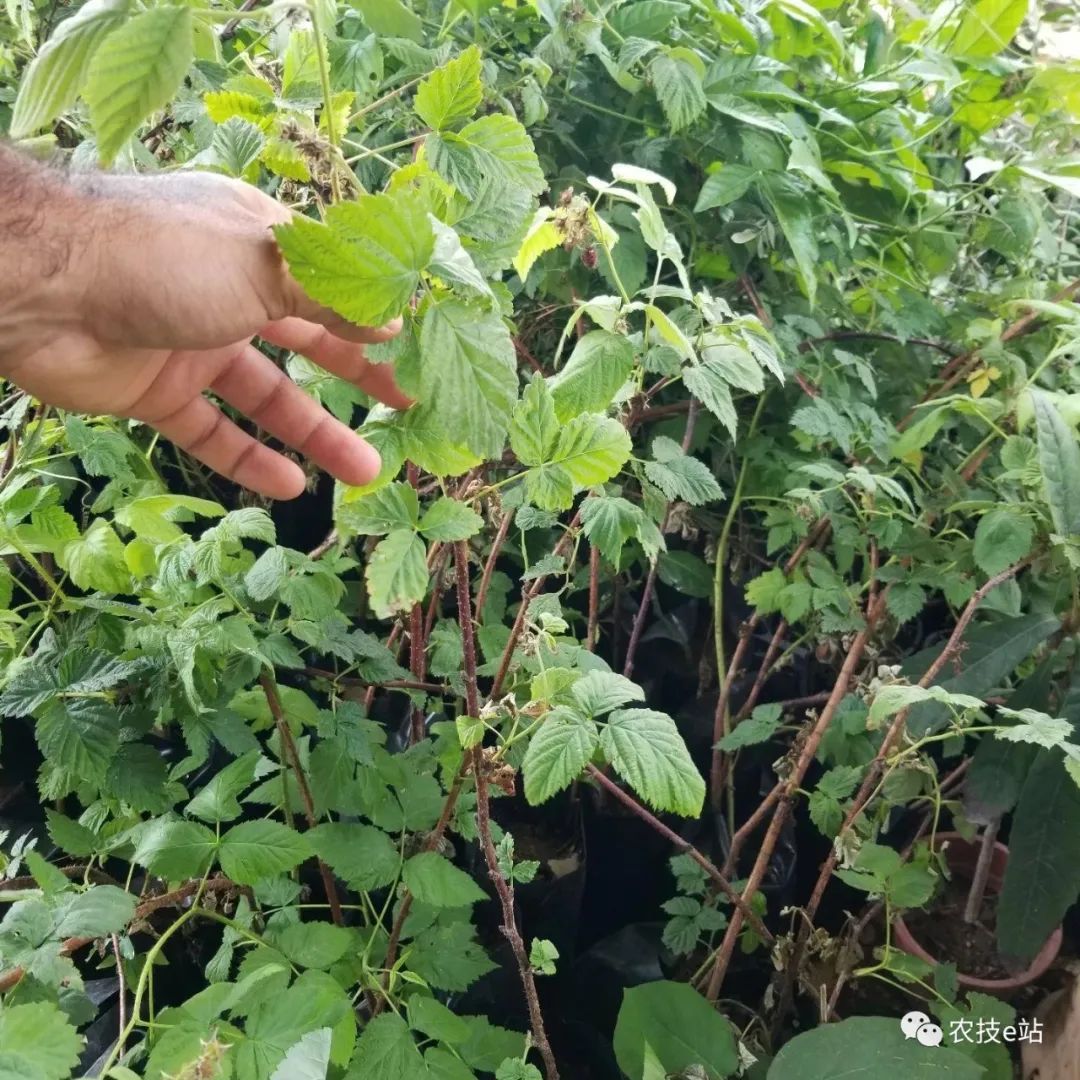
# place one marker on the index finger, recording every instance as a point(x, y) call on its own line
point(344, 358)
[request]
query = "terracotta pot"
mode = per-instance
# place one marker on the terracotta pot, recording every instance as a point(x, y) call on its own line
point(961, 856)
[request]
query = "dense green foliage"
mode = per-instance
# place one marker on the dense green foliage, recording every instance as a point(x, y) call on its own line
point(703, 301)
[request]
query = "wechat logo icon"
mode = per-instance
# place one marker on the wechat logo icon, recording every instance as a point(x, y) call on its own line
point(917, 1025)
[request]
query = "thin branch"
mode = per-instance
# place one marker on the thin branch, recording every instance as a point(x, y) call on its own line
point(290, 753)
point(685, 847)
point(503, 887)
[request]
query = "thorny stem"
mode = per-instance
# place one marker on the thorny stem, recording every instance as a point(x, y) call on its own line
point(685, 847)
point(787, 798)
point(870, 781)
point(504, 888)
point(289, 751)
point(489, 566)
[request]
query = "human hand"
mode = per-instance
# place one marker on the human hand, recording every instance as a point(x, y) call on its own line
point(158, 286)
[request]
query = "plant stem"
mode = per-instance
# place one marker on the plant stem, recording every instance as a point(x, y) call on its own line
point(982, 872)
point(292, 756)
point(503, 887)
point(323, 60)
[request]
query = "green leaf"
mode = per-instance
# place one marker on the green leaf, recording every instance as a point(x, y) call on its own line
point(434, 880)
point(361, 855)
point(452, 93)
point(395, 506)
point(759, 727)
point(267, 574)
point(365, 261)
point(647, 750)
point(37, 1041)
point(390, 18)
point(386, 1051)
point(678, 85)
point(725, 185)
point(260, 849)
point(987, 28)
point(101, 910)
point(315, 944)
point(905, 600)
point(309, 1058)
point(495, 147)
point(435, 1020)
point(1059, 460)
point(397, 573)
point(599, 365)
point(598, 692)
point(451, 262)
point(705, 380)
point(610, 522)
point(671, 1028)
point(449, 958)
point(95, 561)
point(1001, 539)
point(79, 735)
point(868, 1048)
point(236, 145)
point(558, 752)
point(791, 206)
point(217, 802)
point(448, 520)
point(468, 374)
point(175, 850)
point(53, 80)
point(563, 459)
point(1042, 876)
point(1036, 728)
point(686, 572)
point(136, 70)
point(680, 476)
point(542, 956)
point(70, 836)
point(746, 112)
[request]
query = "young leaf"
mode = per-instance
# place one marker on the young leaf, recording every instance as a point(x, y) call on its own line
point(450, 94)
point(259, 849)
point(759, 727)
point(564, 459)
point(680, 476)
point(448, 520)
point(137, 69)
point(365, 261)
point(395, 506)
point(609, 522)
point(647, 749)
point(53, 80)
point(397, 573)
point(434, 880)
point(558, 751)
point(95, 561)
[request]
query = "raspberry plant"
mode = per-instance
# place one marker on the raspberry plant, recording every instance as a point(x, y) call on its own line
point(741, 337)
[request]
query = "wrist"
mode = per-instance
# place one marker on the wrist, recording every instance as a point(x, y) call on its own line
point(45, 221)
